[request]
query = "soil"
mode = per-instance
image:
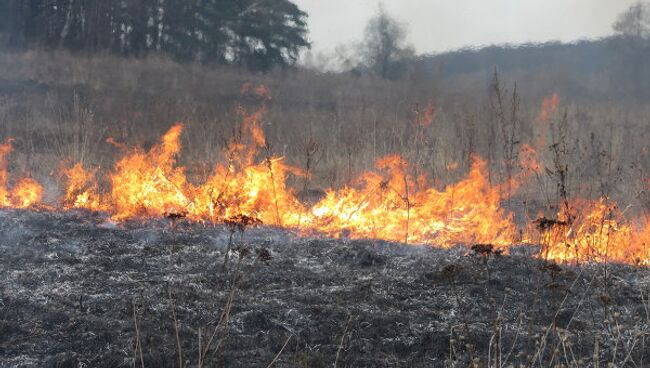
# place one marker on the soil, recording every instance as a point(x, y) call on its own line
point(80, 291)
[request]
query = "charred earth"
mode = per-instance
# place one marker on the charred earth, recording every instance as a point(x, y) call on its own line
point(77, 290)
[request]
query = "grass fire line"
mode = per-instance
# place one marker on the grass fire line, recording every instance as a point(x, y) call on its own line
point(388, 203)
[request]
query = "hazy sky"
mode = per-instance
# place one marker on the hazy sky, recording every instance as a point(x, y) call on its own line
point(439, 25)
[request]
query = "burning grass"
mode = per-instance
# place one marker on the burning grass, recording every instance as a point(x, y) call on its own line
point(393, 202)
point(177, 279)
point(155, 297)
point(25, 193)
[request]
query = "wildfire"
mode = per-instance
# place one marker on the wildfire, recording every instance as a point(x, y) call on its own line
point(388, 203)
point(594, 231)
point(392, 206)
point(82, 189)
point(248, 185)
point(25, 193)
point(550, 105)
point(149, 184)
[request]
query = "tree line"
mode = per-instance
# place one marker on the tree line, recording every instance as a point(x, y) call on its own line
point(257, 34)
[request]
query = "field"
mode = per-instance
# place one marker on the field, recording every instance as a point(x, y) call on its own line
point(164, 214)
point(78, 291)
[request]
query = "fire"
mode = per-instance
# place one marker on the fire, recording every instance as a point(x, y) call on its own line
point(149, 184)
point(82, 189)
point(595, 231)
point(252, 187)
point(25, 193)
point(246, 185)
point(392, 206)
point(549, 108)
point(258, 190)
point(389, 202)
point(550, 105)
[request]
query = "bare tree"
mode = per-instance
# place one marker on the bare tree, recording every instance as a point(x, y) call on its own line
point(630, 68)
point(384, 49)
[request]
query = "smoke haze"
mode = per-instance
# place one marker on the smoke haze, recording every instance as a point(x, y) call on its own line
point(442, 25)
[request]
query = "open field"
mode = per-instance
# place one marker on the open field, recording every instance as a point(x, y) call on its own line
point(303, 183)
point(78, 291)
point(59, 106)
point(170, 268)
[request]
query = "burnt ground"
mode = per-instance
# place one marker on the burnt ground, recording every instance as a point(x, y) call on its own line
point(73, 287)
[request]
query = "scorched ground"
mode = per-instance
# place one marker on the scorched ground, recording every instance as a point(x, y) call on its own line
point(77, 290)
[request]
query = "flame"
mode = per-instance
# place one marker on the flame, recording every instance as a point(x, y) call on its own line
point(25, 193)
point(388, 202)
point(391, 206)
point(246, 186)
point(146, 184)
point(150, 184)
point(82, 189)
point(550, 105)
point(257, 191)
point(595, 231)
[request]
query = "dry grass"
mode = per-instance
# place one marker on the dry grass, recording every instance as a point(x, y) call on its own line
point(60, 106)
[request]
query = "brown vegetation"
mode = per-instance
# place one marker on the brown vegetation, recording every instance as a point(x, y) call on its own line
point(59, 106)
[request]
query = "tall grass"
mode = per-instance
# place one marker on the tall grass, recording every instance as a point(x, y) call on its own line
point(59, 106)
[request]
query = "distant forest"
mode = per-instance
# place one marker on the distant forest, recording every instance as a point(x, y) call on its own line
point(260, 35)
point(257, 34)
point(618, 66)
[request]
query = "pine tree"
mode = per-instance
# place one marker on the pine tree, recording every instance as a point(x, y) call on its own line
point(257, 34)
point(268, 33)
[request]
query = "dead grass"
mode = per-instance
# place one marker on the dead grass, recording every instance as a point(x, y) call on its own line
point(63, 107)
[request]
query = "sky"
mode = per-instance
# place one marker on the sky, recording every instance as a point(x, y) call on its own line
point(443, 25)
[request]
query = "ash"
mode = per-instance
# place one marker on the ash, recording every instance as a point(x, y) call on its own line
point(79, 291)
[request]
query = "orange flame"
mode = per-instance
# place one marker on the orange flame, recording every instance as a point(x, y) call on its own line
point(26, 193)
point(390, 206)
point(82, 189)
point(148, 183)
point(387, 203)
point(550, 105)
point(597, 232)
